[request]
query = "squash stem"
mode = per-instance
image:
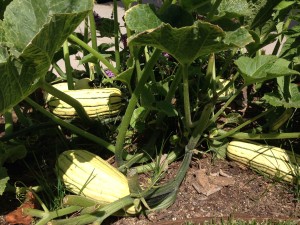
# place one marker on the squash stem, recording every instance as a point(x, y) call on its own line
point(131, 106)
point(116, 35)
point(99, 215)
point(231, 132)
point(172, 186)
point(46, 217)
point(68, 66)
point(71, 127)
point(94, 39)
point(241, 135)
point(95, 53)
point(216, 116)
point(186, 97)
point(9, 125)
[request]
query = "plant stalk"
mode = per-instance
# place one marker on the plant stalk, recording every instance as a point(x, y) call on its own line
point(68, 66)
point(131, 106)
point(95, 53)
point(71, 127)
point(231, 132)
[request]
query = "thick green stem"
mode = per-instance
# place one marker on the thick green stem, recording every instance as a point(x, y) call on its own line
point(71, 127)
point(94, 40)
point(241, 135)
point(282, 119)
point(116, 35)
point(9, 124)
point(47, 216)
point(95, 53)
point(216, 116)
point(211, 76)
point(68, 66)
point(59, 71)
point(131, 106)
point(172, 156)
point(78, 201)
point(172, 186)
point(231, 132)
point(99, 214)
point(186, 97)
point(68, 99)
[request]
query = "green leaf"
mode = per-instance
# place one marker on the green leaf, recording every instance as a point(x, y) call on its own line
point(3, 54)
point(35, 29)
point(234, 8)
point(106, 27)
point(276, 99)
point(262, 12)
point(138, 118)
point(167, 108)
point(3, 179)
point(240, 37)
point(190, 42)
point(125, 77)
point(186, 43)
point(147, 97)
point(262, 68)
point(134, 14)
point(11, 152)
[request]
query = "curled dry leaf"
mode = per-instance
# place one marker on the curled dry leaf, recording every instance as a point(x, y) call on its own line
point(17, 216)
point(209, 184)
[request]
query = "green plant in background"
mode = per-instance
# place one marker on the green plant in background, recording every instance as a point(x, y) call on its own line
point(179, 71)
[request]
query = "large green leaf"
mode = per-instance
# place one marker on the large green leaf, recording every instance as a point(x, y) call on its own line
point(141, 17)
point(277, 99)
point(35, 30)
point(190, 42)
point(263, 67)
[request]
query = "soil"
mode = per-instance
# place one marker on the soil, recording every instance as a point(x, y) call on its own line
point(252, 196)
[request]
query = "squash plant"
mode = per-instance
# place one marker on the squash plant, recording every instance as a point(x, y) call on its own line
point(212, 47)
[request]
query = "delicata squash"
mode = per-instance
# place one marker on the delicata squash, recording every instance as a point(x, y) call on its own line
point(272, 161)
point(99, 102)
point(86, 174)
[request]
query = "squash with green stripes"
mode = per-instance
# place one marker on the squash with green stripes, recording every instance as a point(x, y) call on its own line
point(269, 160)
point(86, 174)
point(98, 103)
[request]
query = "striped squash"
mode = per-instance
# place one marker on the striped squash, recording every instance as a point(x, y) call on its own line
point(102, 102)
point(86, 174)
point(269, 160)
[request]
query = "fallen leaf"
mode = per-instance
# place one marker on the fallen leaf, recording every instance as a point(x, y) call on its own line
point(209, 184)
point(17, 217)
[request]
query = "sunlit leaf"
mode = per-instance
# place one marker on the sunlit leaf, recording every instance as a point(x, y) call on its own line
point(141, 17)
point(190, 42)
point(262, 68)
point(35, 30)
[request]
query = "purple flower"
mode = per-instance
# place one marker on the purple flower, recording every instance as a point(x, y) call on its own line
point(167, 55)
point(109, 73)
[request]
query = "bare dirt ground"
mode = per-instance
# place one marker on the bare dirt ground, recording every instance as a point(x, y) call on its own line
point(251, 196)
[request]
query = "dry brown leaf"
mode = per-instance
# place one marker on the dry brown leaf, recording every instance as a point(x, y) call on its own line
point(17, 217)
